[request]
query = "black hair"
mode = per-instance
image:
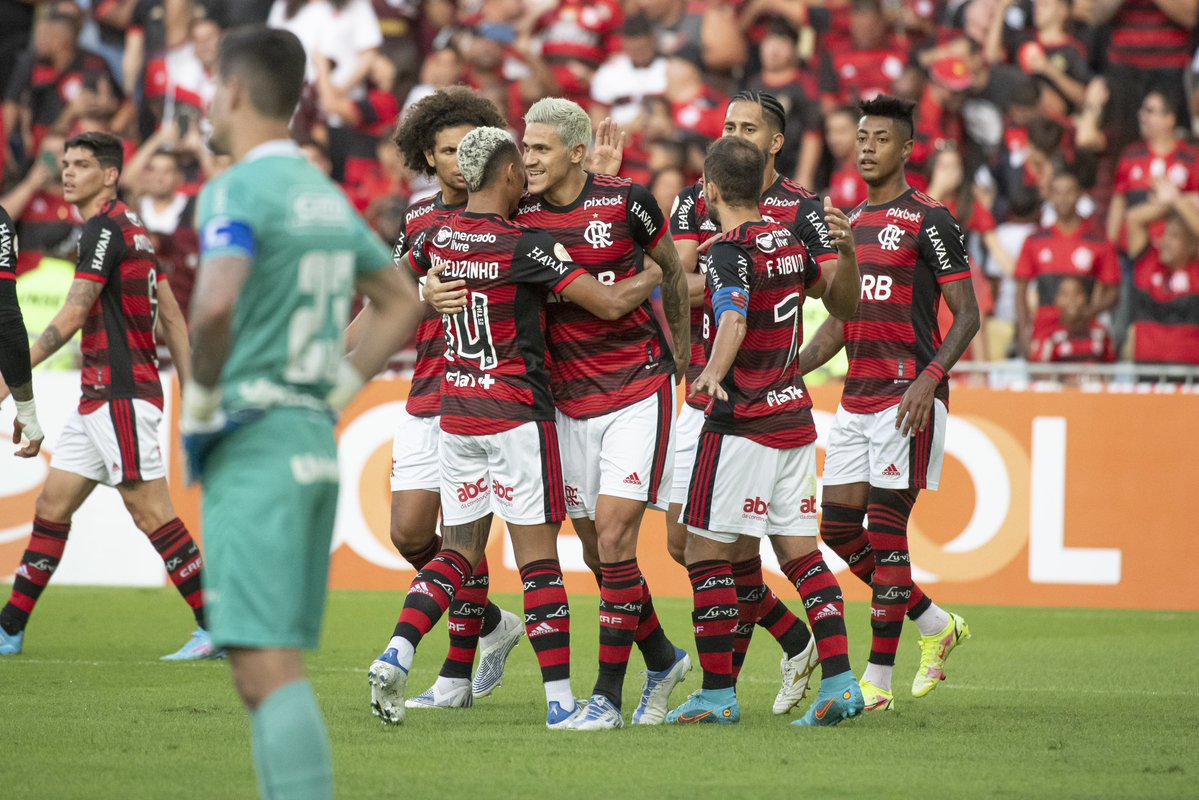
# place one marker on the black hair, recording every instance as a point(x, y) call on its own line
point(781, 28)
point(889, 107)
point(1026, 91)
point(736, 167)
point(447, 108)
point(1045, 134)
point(271, 63)
point(870, 6)
point(107, 149)
point(637, 25)
point(772, 109)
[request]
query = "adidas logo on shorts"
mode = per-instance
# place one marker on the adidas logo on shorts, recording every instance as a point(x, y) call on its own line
point(892, 472)
point(633, 480)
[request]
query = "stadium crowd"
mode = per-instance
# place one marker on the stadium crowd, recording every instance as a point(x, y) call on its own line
point(1059, 132)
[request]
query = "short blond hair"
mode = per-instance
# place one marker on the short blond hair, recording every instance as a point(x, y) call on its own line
point(478, 151)
point(566, 116)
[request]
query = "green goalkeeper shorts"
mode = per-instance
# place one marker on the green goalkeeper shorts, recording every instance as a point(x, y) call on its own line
point(270, 500)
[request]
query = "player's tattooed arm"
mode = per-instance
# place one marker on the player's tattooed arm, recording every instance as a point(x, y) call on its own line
point(916, 407)
point(676, 300)
point(824, 344)
point(469, 539)
point(67, 322)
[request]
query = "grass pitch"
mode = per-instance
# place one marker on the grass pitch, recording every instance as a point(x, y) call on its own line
point(1040, 703)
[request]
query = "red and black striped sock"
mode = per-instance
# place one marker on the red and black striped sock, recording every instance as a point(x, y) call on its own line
point(842, 530)
point(750, 591)
point(714, 618)
point(432, 591)
point(34, 572)
point(619, 615)
point(825, 605)
point(466, 623)
point(771, 613)
point(181, 557)
point(656, 648)
point(419, 558)
point(547, 617)
point(889, 511)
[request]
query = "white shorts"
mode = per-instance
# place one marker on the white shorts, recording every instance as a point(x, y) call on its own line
point(117, 442)
point(686, 438)
point(742, 488)
point(414, 454)
point(866, 448)
point(626, 453)
point(516, 474)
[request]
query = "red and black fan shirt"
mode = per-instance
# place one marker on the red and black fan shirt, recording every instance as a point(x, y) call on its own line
point(1165, 311)
point(1051, 254)
point(495, 376)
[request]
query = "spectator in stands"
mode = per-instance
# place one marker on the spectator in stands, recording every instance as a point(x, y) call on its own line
point(577, 36)
point(50, 75)
point(1010, 235)
point(867, 68)
point(1165, 314)
point(1071, 247)
point(696, 108)
point(47, 225)
point(781, 76)
point(845, 184)
point(705, 33)
point(637, 71)
point(1049, 52)
point(1076, 338)
point(1161, 153)
point(364, 121)
point(1150, 48)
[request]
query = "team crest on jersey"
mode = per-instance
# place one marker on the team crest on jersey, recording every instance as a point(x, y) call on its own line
point(890, 236)
point(598, 234)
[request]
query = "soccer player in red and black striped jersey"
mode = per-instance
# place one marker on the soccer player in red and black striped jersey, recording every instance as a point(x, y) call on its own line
point(755, 473)
point(759, 118)
point(612, 385)
point(121, 302)
point(14, 345)
point(428, 140)
point(499, 443)
point(888, 439)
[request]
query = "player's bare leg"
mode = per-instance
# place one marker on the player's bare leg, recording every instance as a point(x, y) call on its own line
point(283, 710)
point(61, 496)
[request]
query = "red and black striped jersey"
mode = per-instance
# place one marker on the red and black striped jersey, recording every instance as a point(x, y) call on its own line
point(120, 358)
point(1051, 254)
point(1165, 311)
point(424, 398)
point(1064, 346)
point(1144, 37)
point(495, 375)
point(762, 270)
point(596, 366)
point(785, 202)
point(906, 249)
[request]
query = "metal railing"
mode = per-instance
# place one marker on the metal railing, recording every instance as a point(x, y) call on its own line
point(1118, 377)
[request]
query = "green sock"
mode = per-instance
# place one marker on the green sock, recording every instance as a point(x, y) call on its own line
point(291, 746)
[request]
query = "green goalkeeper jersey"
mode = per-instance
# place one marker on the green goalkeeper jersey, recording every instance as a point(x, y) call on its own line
point(306, 245)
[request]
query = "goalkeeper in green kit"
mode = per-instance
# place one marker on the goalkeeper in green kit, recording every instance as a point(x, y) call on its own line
point(282, 253)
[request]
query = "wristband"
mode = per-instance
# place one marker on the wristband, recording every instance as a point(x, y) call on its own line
point(934, 370)
point(27, 416)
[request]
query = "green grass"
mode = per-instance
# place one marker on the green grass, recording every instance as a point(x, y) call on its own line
point(1041, 703)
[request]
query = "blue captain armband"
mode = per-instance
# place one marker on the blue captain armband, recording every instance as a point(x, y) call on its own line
point(730, 298)
point(225, 236)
